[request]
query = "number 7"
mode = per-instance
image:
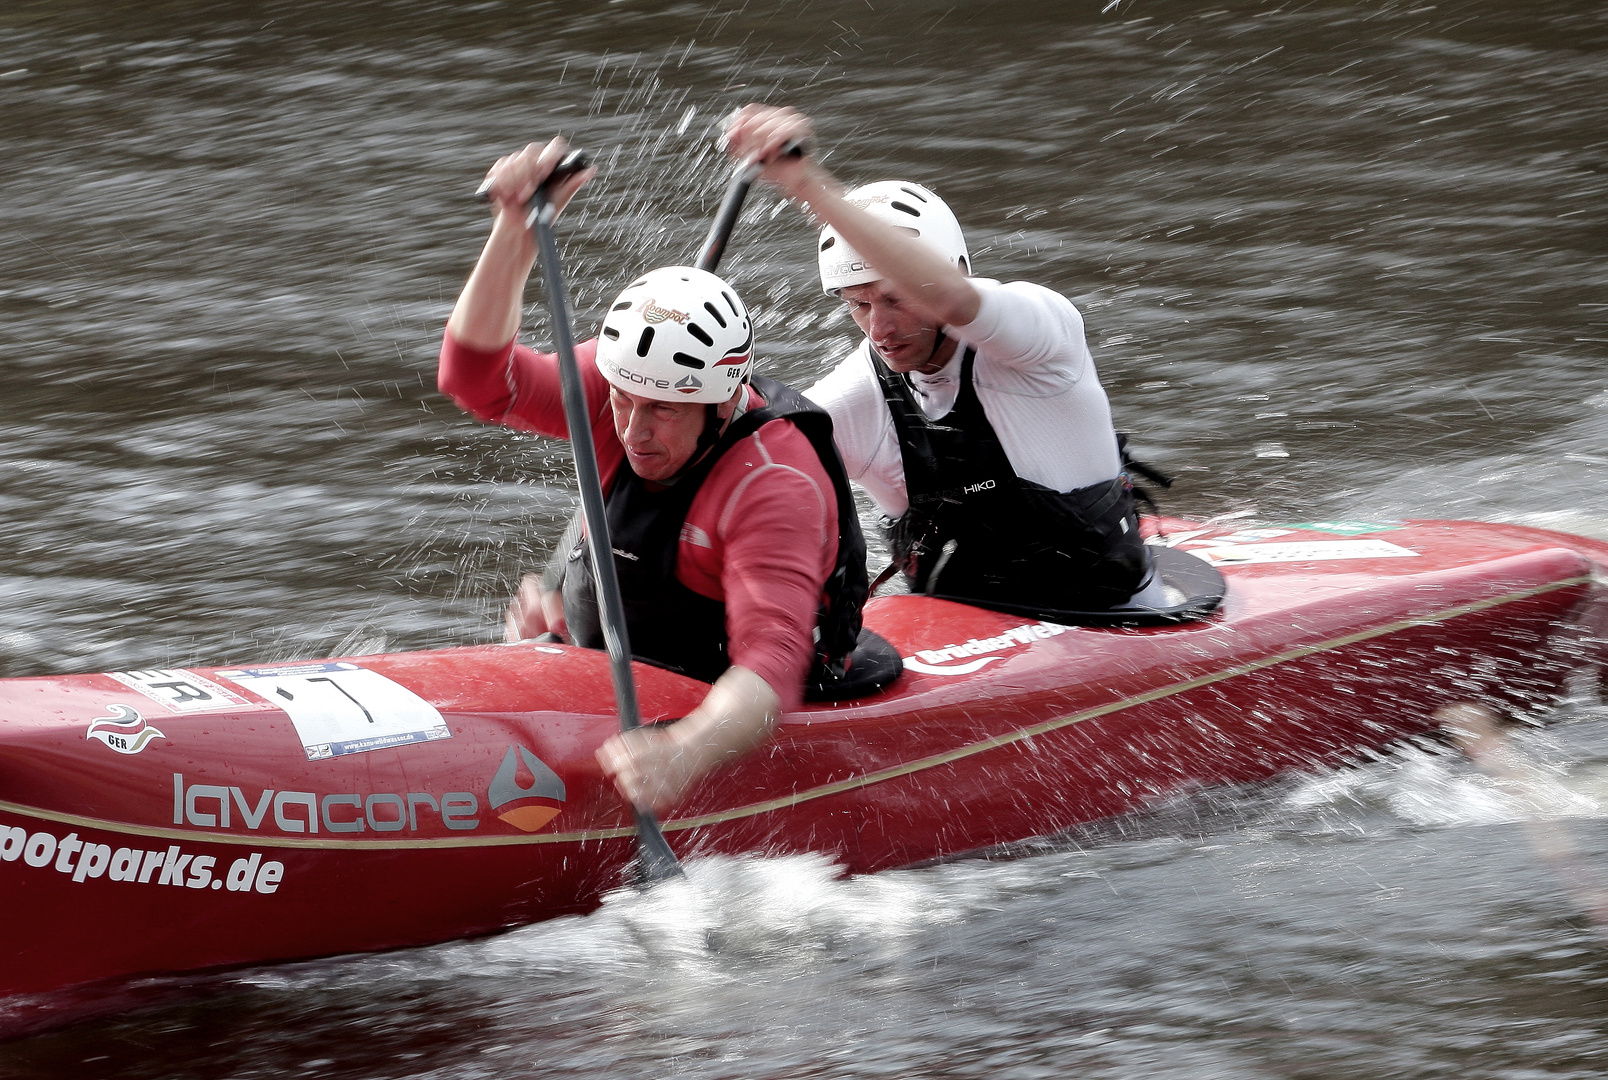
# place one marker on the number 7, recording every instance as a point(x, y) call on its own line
point(342, 689)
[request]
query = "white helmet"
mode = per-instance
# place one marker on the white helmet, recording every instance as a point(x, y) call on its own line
point(909, 208)
point(677, 334)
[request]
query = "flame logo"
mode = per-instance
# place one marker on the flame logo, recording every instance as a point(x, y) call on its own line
point(125, 731)
point(527, 807)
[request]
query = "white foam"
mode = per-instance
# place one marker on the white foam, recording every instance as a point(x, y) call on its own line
point(1427, 789)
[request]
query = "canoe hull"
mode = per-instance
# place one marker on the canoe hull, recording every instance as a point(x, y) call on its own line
point(179, 820)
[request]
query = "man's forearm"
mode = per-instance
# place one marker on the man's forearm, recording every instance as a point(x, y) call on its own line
point(737, 715)
point(486, 316)
point(656, 766)
point(923, 276)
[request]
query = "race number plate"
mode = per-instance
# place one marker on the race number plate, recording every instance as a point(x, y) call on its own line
point(340, 708)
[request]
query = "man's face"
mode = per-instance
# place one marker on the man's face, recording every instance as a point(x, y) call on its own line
point(659, 436)
point(904, 339)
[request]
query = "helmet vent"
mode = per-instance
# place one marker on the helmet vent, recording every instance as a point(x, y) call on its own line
point(700, 333)
point(622, 305)
point(828, 242)
point(735, 310)
point(914, 194)
point(719, 318)
point(611, 333)
point(906, 207)
point(688, 361)
point(637, 282)
point(646, 341)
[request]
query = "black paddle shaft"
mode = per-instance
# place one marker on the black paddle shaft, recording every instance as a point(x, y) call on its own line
point(714, 245)
point(655, 861)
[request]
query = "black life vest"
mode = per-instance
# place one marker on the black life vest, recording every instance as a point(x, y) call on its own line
point(673, 627)
point(976, 531)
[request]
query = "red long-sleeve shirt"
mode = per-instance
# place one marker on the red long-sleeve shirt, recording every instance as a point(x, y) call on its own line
point(761, 535)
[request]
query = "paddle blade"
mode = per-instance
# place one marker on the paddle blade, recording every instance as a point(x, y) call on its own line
point(655, 862)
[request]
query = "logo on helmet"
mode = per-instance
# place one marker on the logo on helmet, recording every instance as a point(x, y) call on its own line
point(627, 375)
point(654, 314)
point(689, 384)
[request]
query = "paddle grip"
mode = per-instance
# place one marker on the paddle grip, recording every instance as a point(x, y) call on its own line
point(570, 164)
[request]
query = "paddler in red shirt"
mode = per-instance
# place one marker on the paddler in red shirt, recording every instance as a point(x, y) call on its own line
point(733, 527)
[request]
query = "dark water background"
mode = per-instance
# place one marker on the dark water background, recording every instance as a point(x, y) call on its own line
point(1337, 260)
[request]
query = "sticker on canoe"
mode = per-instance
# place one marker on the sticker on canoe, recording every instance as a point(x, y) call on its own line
point(178, 690)
point(125, 731)
point(1346, 528)
point(213, 806)
point(1201, 538)
point(527, 807)
point(1204, 538)
point(1302, 551)
point(70, 855)
point(340, 708)
point(933, 661)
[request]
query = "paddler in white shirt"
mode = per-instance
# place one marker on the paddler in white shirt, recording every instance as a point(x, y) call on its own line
point(971, 413)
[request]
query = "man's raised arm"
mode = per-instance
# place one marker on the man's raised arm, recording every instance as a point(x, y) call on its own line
point(486, 316)
point(922, 277)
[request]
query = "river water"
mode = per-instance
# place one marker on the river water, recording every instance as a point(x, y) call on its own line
point(1337, 260)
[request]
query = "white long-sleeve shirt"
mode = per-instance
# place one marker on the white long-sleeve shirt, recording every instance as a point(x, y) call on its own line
point(1035, 380)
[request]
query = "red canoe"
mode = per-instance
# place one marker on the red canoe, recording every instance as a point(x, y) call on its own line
point(165, 821)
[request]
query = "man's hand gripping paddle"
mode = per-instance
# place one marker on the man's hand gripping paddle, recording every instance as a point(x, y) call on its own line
point(655, 861)
point(714, 245)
